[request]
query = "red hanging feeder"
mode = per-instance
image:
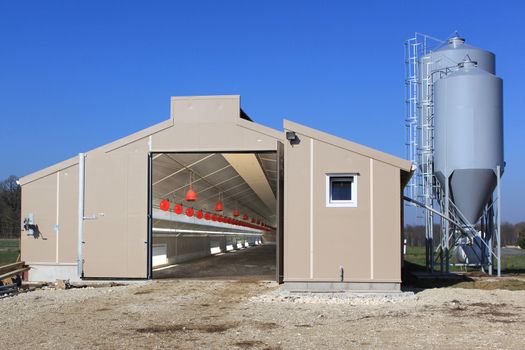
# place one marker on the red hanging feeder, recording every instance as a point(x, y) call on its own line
point(199, 214)
point(177, 209)
point(218, 206)
point(189, 212)
point(191, 195)
point(245, 217)
point(236, 213)
point(164, 205)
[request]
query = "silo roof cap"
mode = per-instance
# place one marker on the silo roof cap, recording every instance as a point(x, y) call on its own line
point(456, 41)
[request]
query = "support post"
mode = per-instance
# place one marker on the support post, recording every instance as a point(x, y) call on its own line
point(447, 253)
point(490, 231)
point(80, 223)
point(447, 225)
point(149, 239)
point(498, 218)
point(280, 215)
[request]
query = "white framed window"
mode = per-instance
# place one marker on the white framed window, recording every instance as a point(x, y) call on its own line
point(341, 190)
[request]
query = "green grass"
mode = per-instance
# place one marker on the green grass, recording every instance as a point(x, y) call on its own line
point(9, 249)
point(509, 264)
point(513, 264)
point(504, 283)
point(415, 255)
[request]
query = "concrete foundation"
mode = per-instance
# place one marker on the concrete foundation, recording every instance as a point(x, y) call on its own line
point(45, 272)
point(342, 286)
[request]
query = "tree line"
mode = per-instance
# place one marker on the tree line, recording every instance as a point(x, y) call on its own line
point(510, 234)
point(10, 198)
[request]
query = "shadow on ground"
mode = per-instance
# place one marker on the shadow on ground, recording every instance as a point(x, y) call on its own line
point(415, 278)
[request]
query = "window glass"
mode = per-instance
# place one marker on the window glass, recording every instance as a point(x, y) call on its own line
point(342, 189)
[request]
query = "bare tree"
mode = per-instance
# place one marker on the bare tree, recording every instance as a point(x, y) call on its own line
point(10, 198)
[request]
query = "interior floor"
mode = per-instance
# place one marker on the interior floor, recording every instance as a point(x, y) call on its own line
point(253, 263)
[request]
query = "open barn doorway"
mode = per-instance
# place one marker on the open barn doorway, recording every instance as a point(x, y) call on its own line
point(214, 215)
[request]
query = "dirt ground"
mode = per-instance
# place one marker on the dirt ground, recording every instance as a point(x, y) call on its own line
point(191, 314)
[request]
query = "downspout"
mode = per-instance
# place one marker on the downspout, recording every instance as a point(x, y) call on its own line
point(80, 227)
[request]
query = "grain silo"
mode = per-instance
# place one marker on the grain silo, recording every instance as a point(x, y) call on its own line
point(455, 138)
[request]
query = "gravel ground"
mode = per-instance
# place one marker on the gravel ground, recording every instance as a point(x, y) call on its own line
point(190, 314)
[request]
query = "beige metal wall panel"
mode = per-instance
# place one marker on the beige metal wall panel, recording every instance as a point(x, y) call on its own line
point(260, 129)
point(116, 194)
point(211, 137)
point(296, 258)
point(196, 109)
point(400, 163)
point(386, 234)
point(68, 215)
point(48, 171)
point(105, 248)
point(40, 198)
point(319, 240)
point(341, 236)
point(137, 202)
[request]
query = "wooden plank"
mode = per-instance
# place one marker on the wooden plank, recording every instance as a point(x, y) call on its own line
point(11, 267)
point(13, 273)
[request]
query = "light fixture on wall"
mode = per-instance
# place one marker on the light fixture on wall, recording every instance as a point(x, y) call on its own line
point(292, 137)
point(191, 196)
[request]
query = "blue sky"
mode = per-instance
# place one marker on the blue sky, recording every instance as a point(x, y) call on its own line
point(77, 74)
